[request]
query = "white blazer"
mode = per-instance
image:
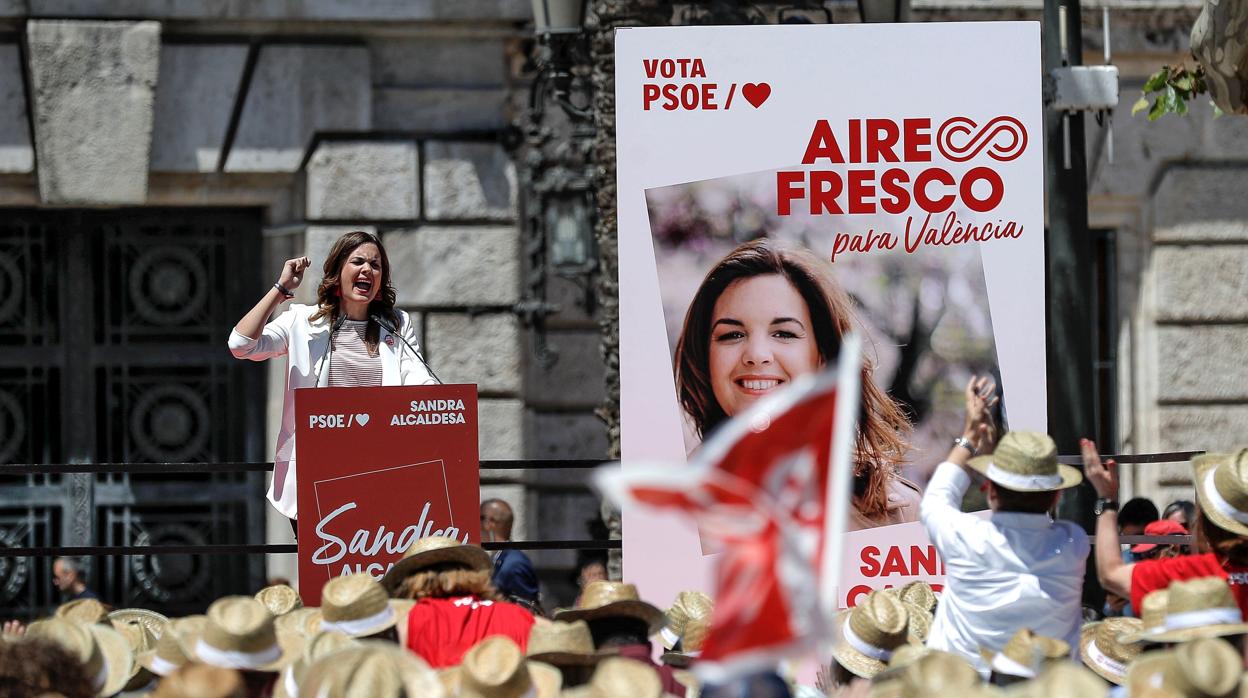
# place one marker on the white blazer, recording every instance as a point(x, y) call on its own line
point(306, 346)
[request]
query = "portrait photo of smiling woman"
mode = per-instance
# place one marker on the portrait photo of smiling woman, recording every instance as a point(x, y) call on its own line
point(751, 300)
point(352, 337)
point(765, 315)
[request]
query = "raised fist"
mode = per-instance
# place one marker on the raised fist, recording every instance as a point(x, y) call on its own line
point(292, 272)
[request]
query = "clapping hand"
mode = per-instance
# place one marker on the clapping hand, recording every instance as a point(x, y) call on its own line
point(292, 272)
point(979, 427)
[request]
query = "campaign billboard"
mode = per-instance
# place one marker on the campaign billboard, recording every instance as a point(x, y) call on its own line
point(781, 185)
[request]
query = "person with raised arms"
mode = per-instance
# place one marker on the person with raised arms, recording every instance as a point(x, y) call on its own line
point(1017, 568)
point(1220, 528)
point(352, 336)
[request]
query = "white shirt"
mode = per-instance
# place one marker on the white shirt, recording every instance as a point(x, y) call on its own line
point(306, 345)
point(1004, 573)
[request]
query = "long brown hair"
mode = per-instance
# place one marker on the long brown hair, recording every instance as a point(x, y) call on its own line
point(440, 582)
point(882, 426)
point(329, 296)
point(1229, 548)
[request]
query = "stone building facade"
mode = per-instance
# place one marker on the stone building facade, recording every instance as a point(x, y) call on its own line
point(1175, 200)
point(1171, 206)
point(324, 117)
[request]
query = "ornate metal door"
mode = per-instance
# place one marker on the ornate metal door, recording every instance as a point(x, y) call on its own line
point(112, 349)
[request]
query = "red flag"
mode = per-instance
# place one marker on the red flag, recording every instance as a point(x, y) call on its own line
point(761, 486)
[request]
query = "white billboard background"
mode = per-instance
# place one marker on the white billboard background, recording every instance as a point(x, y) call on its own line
point(833, 72)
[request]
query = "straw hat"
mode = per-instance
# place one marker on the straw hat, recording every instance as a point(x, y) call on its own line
point(280, 599)
point(373, 670)
point(1152, 612)
point(104, 653)
point(355, 605)
point(620, 678)
point(496, 668)
point(153, 621)
point(1205, 668)
point(920, 622)
point(919, 593)
point(870, 632)
point(1222, 489)
point(168, 654)
point(1199, 608)
point(694, 637)
point(141, 640)
point(1104, 653)
point(239, 634)
point(887, 683)
point(919, 672)
point(434, 550)
point(83, 611)
point(320, 645)
point(1063, 680)
point(906, 655)
point(606, 599)
point(563, 644)
point(1026, 461)
point(202, 681)
point(296, 622)
point(1025, 654)
point(688, 605)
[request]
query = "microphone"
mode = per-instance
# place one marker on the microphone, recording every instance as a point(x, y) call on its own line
point(389, 327)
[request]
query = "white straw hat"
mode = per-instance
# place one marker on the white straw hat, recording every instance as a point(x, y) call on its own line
point(355, 605)
point(1222, 489)
point(870, 632)
point(1026, 461)
point(1199, 608)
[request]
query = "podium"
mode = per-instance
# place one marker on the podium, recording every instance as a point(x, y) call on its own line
point(379, 468)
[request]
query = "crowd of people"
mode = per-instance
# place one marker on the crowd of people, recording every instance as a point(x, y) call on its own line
point(450, 619)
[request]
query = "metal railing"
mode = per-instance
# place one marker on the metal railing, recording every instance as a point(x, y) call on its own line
point(256, 548)
point(269, 549)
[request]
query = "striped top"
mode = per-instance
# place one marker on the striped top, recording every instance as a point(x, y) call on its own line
point(350, 364)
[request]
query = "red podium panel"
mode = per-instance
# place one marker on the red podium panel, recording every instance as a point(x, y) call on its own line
point(379, 468)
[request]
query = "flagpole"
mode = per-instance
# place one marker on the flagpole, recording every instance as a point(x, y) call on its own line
point(840, 476)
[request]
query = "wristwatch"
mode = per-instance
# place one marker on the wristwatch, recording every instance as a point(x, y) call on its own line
point(965, 443)
point(1104, 504)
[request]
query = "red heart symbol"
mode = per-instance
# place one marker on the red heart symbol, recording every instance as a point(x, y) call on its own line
point(756, 93)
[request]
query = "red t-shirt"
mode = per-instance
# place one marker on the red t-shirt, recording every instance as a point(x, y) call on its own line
point(441, 631)
point(1151, 575)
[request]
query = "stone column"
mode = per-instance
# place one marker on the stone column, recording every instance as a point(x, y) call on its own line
point(1195, 310)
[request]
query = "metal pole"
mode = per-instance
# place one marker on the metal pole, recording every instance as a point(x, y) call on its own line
point(1068, 274)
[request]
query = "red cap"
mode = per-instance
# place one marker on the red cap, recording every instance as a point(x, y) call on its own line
point(1164, 527)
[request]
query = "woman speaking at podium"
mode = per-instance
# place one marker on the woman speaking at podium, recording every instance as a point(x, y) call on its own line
point(353, 336)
